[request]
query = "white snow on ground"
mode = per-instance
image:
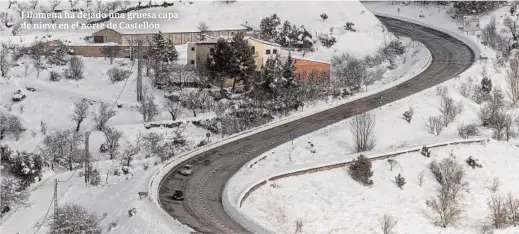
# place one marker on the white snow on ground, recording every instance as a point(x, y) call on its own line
point(334, 203)
point(52, 102)
point(325, 205)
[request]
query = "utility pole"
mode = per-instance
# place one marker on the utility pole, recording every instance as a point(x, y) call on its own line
point(87, 158)
point(139, 71)
point(55, 200)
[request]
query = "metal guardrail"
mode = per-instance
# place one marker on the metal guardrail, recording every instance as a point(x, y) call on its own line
point(298, 172)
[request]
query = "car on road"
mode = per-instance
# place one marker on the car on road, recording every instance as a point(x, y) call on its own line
point(186, 170)
point(178, 195)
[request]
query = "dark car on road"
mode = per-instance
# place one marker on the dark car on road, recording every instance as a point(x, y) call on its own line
point(178, 195)
point(186, 170)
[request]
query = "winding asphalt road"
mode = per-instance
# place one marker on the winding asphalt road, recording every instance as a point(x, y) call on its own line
point(202, 209)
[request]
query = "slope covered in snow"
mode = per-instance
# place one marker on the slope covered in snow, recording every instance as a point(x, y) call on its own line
point(334, 203)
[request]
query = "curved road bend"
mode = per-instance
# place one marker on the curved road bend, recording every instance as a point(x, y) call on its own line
point(202, 208)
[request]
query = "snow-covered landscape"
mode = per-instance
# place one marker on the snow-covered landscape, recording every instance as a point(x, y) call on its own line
point(78, 120)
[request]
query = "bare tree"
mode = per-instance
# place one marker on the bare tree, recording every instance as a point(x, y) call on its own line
point(148, 108)
point(388, 224)
point(448, 109)
point(495, 185)
point(203, 28)
point(62, 147)
point(151, 142)
point(5, 62)
point(73, 218)
point(33, 4)
point(498, 214)
point(54, 4)
point(350, 71)
point(362, 127)
point(434, 125)
point(75, 68)
point(173, 107)
point(493, 115)
point(392, 163)
point(112, 141)
point(512, 205)
point(73, 3)
point(512, 80)
point(131, 149)
point(110, 52)
point(446, 204)
point(36, 54)
point(80, 112)
point(103, 116)
point(420, 178)
point(180, 75)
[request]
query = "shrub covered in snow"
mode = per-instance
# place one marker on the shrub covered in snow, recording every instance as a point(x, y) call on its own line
point(118, 74)
point(349, 27)
point(75, 68)
point(132, 212)
point(360, 170)
point(10, 124)
point(57, 55)
point(12, 194)
point(324, 16)
point(425, 151)
point(25, 166)
point(468, 130)
point(73, 218)
point(95, 177)
point(408, 115)
point(327, 40)
point(211, 125)
point(17, 96)
point(54, 76)
point(394, 47)
point(400, 181)
point(473, 162)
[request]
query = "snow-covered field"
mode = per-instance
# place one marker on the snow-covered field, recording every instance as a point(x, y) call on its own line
point(334, 203)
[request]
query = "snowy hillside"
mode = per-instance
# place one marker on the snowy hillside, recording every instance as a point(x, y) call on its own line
point(334, 203)
point(49, 97)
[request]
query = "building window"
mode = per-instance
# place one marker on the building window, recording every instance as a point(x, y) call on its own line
point(274, 51)
point(232, 33)
point(267, 52)
point(192, 48)
point(192, 62)
point(253, 48)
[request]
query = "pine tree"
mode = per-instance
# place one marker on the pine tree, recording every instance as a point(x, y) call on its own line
point(218, 60)
point(268, 27)
point(283, 37)
point(272, 72)
point(162, 50)
point(289, 69)
point(242, 64)
point(486, 85)
point(360, 170)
